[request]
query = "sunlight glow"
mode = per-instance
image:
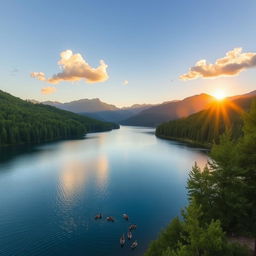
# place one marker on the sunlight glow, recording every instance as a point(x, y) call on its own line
point(219, 94)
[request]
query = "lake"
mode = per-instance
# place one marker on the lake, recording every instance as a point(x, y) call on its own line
point(50, 193)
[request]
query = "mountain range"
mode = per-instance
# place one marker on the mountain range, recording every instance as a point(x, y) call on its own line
point(79, 106)
point(140, 114)
point(158, 114)
point(97, 109)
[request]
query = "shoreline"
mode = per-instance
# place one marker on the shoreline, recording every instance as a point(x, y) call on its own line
point(187, 141)
point(80, 137)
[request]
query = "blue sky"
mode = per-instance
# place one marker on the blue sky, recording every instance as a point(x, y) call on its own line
point(148, 43)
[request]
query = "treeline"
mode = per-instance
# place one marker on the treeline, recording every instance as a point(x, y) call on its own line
point(24, 122)
point(222, 201)
point(206, 126)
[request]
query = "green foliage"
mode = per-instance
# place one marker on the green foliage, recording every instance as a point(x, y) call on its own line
point(192, 237)
point(201, 239)
point(228, 191)
point(234, 174)
point(206, 126)
point(246, 162)
point(201, 187)
point(220, 190)
point(230, 203)
point(222, 198)
point(168, 238)
point(23, 122)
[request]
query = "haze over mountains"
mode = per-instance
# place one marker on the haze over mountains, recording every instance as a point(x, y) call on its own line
point(140, 114)
point(95, 108)
point(170, 110)
point(118, 115)
point(79, 106)
point(173, 110)
point(137, 114)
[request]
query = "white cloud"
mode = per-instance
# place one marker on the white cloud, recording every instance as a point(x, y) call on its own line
point(38, 75)
point(232, 64)
point(75, 68)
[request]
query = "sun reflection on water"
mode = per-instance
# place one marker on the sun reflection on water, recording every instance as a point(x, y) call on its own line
point(72, 179)
point(102, 170)
point(74, 189)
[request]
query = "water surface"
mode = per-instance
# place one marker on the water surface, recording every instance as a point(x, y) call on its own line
point(49, 194)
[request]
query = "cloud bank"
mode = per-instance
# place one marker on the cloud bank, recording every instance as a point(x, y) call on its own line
point(75, 68)
point(48, 90)
point(232, 64)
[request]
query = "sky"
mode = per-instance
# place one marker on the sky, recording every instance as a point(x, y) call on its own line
point(126, 52)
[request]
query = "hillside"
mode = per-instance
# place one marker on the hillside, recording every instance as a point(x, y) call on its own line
point(24, 122)
point(206, 126)
point(156, 115)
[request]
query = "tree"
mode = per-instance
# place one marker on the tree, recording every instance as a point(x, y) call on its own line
point(246, 155)
point(23, 122)
point(228, 191)
point(168, 238)
point(200, 239)
point(200, 186)
point(230, 200)
point(194, 237)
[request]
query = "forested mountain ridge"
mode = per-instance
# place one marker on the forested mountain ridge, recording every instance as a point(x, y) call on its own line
point(24, 122)
point(206, 126)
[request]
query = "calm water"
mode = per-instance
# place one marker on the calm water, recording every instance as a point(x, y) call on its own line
point(49, 194)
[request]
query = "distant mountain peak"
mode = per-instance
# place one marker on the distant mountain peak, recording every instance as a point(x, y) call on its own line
point(140, 114)
point(83, 105)
point(144, 105)
point(50, 102)
point(166, 111)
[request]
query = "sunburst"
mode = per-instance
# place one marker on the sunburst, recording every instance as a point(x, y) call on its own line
point(219, 94)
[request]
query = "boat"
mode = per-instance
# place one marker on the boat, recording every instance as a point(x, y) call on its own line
point(134, 245)
point(110, 218)
point(98, 216)
point(125, 216)
point(122, 240)
point(133, 227)
point(129, 235)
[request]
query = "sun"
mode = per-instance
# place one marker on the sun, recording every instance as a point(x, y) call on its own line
point(219, 94)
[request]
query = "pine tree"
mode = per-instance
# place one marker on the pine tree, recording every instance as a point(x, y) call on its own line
point(246, 155)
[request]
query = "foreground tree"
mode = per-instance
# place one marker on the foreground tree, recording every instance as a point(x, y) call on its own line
point(228, 190)
point(193, 237)
point(246, 155)
point(202, 239)
point(222, 200)
point(168, 238)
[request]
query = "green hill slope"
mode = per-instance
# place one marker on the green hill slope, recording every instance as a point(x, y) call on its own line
point(205, 126)
point(24, 122)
